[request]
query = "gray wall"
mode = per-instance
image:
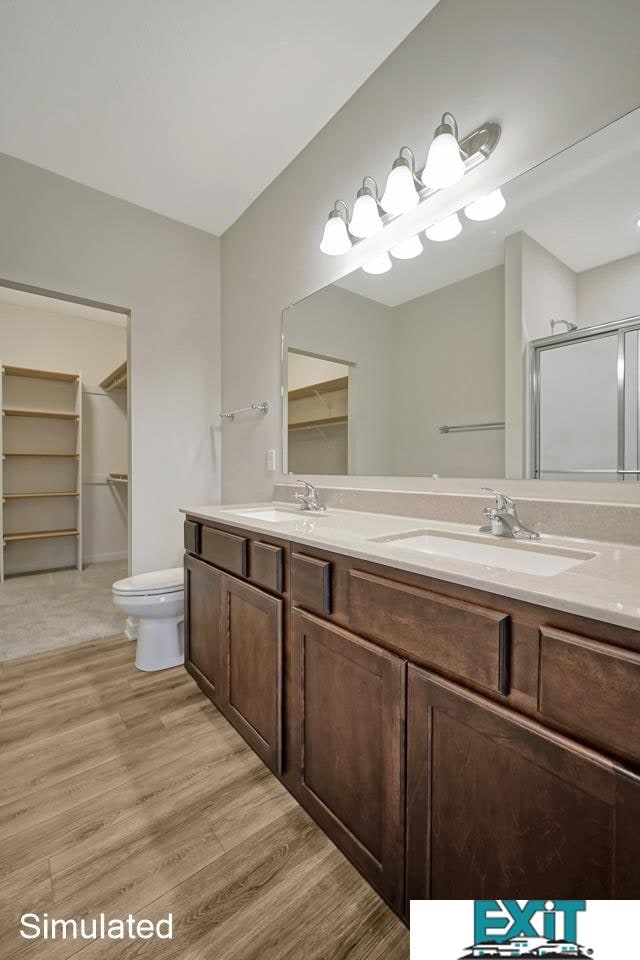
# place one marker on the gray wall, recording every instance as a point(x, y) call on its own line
point(528, 65)
point(610, 292)
point(449, 368)
point(66, 238)
point(341, 325)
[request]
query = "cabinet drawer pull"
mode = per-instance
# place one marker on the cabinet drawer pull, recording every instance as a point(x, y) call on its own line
point(192, 536)
point(266, 566)
point(225, 550)
point(311, 583)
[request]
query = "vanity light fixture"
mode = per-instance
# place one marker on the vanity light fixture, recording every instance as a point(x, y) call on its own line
point(487, 207)
point(381, 264)
point(445, 229)
point(336, 239)
point(401, 194)
point(448, 159)
point(365, 219)
point(445, 165)
point(408, 249)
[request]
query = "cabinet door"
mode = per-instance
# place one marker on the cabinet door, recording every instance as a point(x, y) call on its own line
point(497, 802)
point(203, 649)
point(348, 746)
point(252, 639)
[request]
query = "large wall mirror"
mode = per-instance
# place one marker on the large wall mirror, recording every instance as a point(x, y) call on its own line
point(512, 349)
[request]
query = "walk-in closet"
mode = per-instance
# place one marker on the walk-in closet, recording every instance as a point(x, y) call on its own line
point(64, 482)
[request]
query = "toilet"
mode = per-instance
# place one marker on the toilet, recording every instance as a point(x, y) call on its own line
point(156, 601)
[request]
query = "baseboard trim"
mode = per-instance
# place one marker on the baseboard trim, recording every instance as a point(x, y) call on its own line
point(105, 557)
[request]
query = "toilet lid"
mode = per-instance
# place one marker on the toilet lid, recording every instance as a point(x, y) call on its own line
point(148, 584)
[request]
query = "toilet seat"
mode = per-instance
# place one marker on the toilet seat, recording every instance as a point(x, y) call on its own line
point(151, 584)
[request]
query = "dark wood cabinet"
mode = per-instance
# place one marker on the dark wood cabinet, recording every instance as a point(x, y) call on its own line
point(451, 742)
point(252, 643)
point(593, 690)
point(203, 642)
point(495, 801)
point(348, 701)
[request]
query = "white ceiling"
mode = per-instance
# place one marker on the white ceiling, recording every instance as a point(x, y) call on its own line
point(66, 308)
point(581, 205)
point(190, 109)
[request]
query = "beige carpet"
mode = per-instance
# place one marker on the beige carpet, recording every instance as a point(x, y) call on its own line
point(44, 611)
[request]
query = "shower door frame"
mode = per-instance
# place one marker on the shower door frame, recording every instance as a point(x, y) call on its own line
point(537, 347)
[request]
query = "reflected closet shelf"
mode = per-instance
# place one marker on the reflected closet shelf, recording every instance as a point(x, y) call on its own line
point(322, 422)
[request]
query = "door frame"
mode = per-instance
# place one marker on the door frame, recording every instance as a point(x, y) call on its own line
point(112, 308)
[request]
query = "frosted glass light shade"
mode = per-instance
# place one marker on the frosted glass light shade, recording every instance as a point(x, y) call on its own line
point(381, 264)
point(408, 249)
point(444, 165)
point(400, 194)
point(444, 229)
point(365, 220)
point(484, 208)
point(335, 239)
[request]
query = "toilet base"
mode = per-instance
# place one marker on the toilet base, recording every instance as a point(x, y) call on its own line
point(160, 644)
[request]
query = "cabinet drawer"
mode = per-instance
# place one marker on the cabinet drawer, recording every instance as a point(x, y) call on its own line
point(192, 536)
point(311, 583)
point(266, 565)
point(225, 550)
point(465, 640)
point(592, 689)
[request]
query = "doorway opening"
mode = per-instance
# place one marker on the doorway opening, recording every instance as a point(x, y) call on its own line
point(64, 518)
point(318, 414)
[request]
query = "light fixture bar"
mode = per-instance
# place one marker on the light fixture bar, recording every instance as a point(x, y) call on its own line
point(475, 148)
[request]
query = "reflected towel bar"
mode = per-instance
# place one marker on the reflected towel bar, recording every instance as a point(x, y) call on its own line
point(263, 407)
point(463, 427)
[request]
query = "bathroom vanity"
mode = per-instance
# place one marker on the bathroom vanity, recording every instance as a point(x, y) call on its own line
point(453, 741)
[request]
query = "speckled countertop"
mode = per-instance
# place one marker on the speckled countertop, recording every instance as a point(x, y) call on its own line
point(603, 585)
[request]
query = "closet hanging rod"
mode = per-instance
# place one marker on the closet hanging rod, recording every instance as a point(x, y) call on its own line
point(464, 427)
point(262, 406)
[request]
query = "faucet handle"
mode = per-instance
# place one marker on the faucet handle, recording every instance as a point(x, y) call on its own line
point(311, 490)
point(503, 502)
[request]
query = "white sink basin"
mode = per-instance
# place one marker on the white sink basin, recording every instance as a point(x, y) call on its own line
point(519, 557)
point(269, 514)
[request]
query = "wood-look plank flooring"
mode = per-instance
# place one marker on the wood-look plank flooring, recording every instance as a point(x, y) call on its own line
point(123, 792)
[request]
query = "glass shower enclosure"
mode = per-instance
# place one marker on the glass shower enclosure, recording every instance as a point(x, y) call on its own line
point(585, 404)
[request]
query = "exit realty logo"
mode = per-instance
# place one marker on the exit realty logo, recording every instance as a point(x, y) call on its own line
point(532, 929)
point(535, 928)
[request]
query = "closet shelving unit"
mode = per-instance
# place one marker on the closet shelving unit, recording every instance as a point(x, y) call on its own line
point(322, 392)
point(41, 477)
point(117, 379)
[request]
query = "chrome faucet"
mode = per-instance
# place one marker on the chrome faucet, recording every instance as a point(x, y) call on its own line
point(504, 520)
point(309, 499)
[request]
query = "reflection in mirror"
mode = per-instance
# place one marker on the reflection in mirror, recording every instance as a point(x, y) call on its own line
point(318, 410)
point(499, 352)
